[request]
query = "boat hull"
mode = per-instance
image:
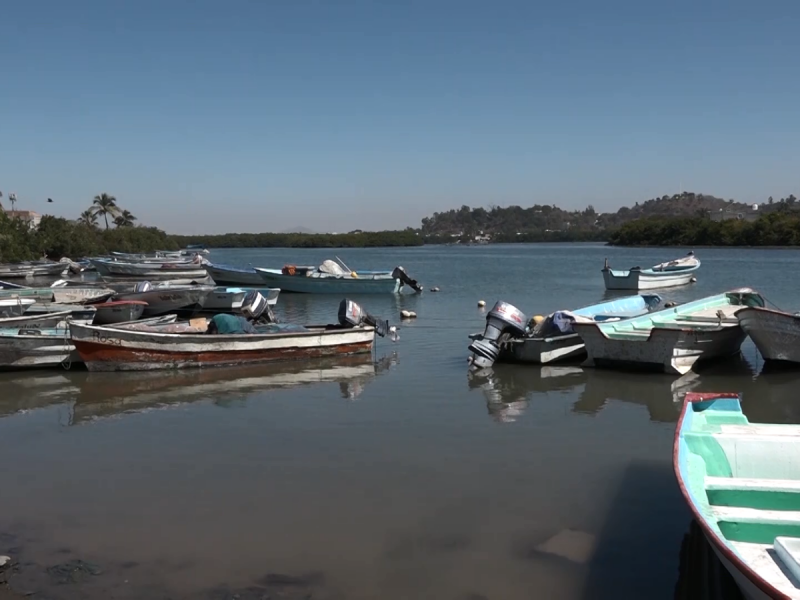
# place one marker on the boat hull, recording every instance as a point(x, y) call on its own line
point(344, 285)
point(639, 280)
point(163, 301)
point(44, 320)
point(32, 351)
point(673, 351)
point(104, 349)
point(234, 277)
point(14, 307)
point(776, 334)
point(156, 271)
point(224, 300)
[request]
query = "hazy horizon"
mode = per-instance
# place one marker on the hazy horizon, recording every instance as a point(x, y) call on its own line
point(204, 117)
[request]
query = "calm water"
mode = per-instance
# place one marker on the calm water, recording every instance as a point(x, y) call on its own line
point(394, 476)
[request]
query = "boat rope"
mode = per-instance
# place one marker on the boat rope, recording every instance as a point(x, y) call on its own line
point(768, 301)
point(67, 362)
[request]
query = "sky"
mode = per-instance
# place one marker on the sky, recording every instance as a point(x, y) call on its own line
point(205, 116)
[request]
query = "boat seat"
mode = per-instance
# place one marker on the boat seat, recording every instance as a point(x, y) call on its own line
point(741, 514)
point(788, 551)
point(749, 483)
point(761, 429)
point(709, 319)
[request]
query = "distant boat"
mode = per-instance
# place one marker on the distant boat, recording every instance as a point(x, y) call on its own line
point(333, 278)
point(43, 320)
point(741, 481)
point(775, 333)
point(148, 270)
point(668, 274)
point(554, 338)
point(673, 339)
point(14, 307)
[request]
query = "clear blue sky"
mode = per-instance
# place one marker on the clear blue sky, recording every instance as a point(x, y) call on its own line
point(259, 115)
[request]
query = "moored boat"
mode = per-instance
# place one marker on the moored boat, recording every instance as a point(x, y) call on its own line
point(741, 481)
point(231, 299)
point(668, 274)
point(673, 339)
point(41, 321)
point(161, 300)
point(229, 275)
point(119, 311)
point(552, 338)
point(775, 333)
point(29, 348)
point(332, 278)
point(106, 349)
point(150, 271)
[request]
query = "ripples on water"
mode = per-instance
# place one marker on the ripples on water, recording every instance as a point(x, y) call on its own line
point(392, 476)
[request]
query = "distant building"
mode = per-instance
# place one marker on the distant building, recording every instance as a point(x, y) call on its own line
point(32, 218)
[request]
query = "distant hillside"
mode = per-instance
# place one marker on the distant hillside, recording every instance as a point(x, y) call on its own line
point(543, 222)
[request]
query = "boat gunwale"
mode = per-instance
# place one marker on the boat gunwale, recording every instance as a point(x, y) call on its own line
point(315, 330)
point(712, 537)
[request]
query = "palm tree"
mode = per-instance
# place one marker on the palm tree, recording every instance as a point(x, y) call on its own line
point(125, 219)
point(105, 205)
point(88, 218)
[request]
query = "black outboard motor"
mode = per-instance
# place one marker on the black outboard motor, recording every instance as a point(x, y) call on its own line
point(352, 315)
point(143, 286)
point(503, 318)
point(256, 308)
point(400, 273)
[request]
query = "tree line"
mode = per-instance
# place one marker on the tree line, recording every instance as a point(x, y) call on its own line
point(366, 239)
point(779, 228)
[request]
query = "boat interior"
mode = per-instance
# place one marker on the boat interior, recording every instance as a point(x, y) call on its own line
point(747, 477)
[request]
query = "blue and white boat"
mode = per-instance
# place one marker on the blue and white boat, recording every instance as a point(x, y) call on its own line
point(332, 278)
point(741, 481)
point(669, 274)
point(511, 337)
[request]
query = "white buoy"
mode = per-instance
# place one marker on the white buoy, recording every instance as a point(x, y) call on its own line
point(481, 303)
point(405, 314)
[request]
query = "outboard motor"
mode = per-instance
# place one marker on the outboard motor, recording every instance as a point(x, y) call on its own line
point(256, 307)
point(503, 318)
point(352, 315)
point(400, 273)
point(143, 286)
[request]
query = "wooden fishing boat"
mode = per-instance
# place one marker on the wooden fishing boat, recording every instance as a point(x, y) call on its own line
point(554, 339)
point(161, 300)
point(15, 271)
point(119, 311)
point(668, 274)
point(80, 295)
point(775, 333)
point(741, 481)
point(106, 349)
point(332, 278)
point(15, 307)
point(60, 292)
point(673, 339)
point(78, 312)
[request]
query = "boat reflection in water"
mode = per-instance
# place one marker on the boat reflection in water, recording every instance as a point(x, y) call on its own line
point(508, 388)
point(94, 396)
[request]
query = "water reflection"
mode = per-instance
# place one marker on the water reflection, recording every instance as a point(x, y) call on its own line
point(100, 395)
point(508, 389)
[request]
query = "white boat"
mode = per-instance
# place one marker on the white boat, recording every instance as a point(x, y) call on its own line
point(775, 333)
point(230, 299)
point(15, 307)
point(673, 339)
point(668, 274)
point(741, 481)
point(332, 278)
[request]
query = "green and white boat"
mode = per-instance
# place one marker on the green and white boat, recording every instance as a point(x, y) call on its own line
point(673, 339)
point(742, 482)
